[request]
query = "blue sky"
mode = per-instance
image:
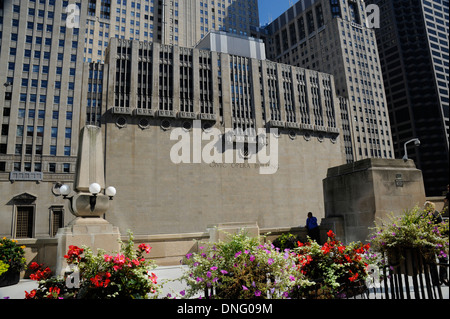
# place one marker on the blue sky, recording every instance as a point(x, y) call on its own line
point(269, 10)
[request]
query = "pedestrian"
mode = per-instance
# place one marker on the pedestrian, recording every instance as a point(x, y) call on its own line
point(312, 227)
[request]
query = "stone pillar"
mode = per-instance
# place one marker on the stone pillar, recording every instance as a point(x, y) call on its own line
point(359, 193)
point(89, 228)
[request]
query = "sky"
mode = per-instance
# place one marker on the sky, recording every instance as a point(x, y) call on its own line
point(269, 10)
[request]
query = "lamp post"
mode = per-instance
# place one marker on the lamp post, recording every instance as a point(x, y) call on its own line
point(78, 200)
point(416, 143)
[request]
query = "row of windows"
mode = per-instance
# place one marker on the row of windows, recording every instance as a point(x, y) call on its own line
point(27, 167)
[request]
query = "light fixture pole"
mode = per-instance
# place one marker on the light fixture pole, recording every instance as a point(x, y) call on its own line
point(416, 143)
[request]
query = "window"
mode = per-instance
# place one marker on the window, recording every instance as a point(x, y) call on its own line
point(19, 130)
point(24, 222)
point(66, 150)
point(66, 168)
point(30, 130)
point(53, 150)
point(52, 167)
point(56, 219)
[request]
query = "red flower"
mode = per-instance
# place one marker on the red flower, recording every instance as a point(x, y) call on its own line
point(53, 292)
point(330, 234)
point(73, 254)
point(34, 265)
point(101, 281)
point(30, 295)
point(354, 277)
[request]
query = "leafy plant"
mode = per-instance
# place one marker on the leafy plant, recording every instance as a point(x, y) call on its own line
point(415, 228)
point(242, 268)
point(125, 275)
point(3, 267)
point(12, 254)
point(333, 267)
point(286, 241)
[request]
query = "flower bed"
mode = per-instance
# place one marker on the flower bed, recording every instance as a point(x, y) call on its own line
point(336, 270)
point(125, 275)
point(242, 268)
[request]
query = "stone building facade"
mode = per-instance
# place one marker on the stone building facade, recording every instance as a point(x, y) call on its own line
point(155, 92)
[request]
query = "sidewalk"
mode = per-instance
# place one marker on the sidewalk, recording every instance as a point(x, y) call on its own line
point(167, 276)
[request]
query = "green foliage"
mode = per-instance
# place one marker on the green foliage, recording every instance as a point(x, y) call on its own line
point(286, 241)
point(125, 275)
point(242, 268)
point(3, 267)
point(415, 228)
point(333, 268)
point(12, 254)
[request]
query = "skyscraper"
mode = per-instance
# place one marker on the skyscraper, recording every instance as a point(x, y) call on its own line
point(173, 22)
point(414, 53)
point(41, 77)
point(332, 36)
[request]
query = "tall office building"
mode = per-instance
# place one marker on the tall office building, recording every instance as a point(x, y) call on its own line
point(41, 77)
point(44, 57)
point(332, 36)
point(414, 52)
point(173, 22)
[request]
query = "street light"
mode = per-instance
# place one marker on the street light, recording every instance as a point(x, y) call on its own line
point(416, 143)
point(94, 189)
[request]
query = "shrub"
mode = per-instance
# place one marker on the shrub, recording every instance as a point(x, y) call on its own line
point(12, 254)
point(242, 268)
point(333, 267)
point(125, 275)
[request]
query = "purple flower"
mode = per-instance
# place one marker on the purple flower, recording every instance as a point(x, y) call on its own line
point(246, 251)
point(224, 272)
point(238, 254)
point(252, 258)
point(182, 292)
point(213, 268)
point(244, 288)
point(292, 278)
point(188, 255)
point(270, 261)
point(257, 293)
point(208, 274)
point(199, 279)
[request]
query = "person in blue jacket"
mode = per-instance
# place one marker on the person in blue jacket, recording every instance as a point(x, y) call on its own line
point(312, 227)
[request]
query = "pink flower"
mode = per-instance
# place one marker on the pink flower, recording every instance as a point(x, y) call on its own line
point(244, 288)
point(252, 258)
point(153, 278)
point(108, 258)
point(270, 261)
point(257, 293)
point(145, 247)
